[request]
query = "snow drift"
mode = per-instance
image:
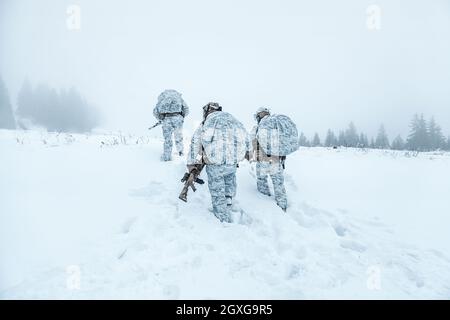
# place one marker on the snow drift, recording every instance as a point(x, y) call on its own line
point(97, 216)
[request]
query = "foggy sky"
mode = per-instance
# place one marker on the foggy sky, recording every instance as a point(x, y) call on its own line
point(313, 60)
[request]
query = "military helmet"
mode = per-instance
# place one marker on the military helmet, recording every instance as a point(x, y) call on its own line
point(211, 107)
point(261, 113)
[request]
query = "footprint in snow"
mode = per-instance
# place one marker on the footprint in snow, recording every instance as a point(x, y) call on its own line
point(352, 245)
point(412, 276)
point(171, 292)
point(339, 229)
point(153, 190)
point(295, 271)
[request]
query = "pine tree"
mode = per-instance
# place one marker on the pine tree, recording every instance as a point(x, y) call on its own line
point(341, 140)
point(25, 101)
point(363, 141)
point(382, 140)
point(446, 144)
point(303, 141)
point(6, 113)
point(418, 138)
point(413, 140)
point(330, 140)
point(398, 143)
point(436, 139)
point(372, 143)
point(65, 111)
point(316, 140)
point(351, 136)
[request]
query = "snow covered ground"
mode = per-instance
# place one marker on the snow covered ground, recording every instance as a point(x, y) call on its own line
point(98, 216)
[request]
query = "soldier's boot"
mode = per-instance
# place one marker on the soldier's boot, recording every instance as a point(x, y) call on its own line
point(220, 207)
point(223, 215)
point(279, 189)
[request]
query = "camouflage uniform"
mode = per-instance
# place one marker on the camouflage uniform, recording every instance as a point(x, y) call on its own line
point(172, 126)
point(275, 171)
point(222, 186)
point(220, 142)
point(171, 111)
point(279, 141)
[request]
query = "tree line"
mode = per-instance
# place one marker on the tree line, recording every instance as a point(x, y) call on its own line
point(6, 112)
point(56, 110)
point(424, 136)
point(68, 111)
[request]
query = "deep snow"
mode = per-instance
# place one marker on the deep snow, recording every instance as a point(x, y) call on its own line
point(360, 224)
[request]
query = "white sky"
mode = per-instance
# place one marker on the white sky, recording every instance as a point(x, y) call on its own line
point(315, 61)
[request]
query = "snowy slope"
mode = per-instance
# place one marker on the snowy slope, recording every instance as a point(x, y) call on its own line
point(360, 225)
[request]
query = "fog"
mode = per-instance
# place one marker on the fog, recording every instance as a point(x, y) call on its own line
point(316, 61)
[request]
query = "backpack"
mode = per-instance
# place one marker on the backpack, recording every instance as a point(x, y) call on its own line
point(170, 101)
point(277, 135)
point(222, 139)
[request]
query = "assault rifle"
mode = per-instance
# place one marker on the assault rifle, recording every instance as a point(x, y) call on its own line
point(190, 178)
point(155, 125)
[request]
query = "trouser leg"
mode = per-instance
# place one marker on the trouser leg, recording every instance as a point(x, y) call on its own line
point(167, 134)
point(216, 184)
point(278, 186)
point(230, 187)
point(261, 179)
point(178, 133)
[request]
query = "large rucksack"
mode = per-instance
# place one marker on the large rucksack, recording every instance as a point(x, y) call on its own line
point(170, 101)
point(222, 139)
point(277, 135)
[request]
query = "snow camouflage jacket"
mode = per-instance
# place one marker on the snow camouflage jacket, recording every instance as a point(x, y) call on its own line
point(221, 140)
point(170, 101)
point(276, 135)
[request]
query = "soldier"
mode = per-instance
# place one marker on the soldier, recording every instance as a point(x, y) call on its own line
point(268, 164)
point(220, 142)
point(171, 111)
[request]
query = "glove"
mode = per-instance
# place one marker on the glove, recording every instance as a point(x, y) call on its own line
point(185, 177)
